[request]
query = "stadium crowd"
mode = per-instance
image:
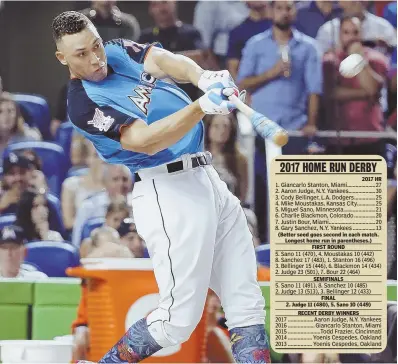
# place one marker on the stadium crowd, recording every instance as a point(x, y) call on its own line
point(57, 191)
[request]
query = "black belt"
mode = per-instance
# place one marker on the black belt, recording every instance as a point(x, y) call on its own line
point(179, 166)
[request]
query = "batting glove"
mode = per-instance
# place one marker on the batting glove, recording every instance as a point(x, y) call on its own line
point(215, 102)
point(215, 79)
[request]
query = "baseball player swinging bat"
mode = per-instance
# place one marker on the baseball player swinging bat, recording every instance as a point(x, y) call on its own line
point(264, 126)
point(120, 100)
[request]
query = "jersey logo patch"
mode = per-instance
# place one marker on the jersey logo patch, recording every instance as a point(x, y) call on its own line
point(143, 98)
point(100, 121)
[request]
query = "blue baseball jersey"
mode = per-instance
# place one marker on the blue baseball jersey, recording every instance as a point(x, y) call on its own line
point(99, 110)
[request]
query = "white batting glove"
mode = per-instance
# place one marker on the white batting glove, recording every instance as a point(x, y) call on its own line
point(215, 102)
point(215, 79)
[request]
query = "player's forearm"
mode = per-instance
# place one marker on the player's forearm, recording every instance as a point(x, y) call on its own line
point(233, 67)
point(179, 67)
point(165, 132)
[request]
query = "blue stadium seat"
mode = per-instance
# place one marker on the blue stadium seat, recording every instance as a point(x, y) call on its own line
point(6, 220)
point(52, 257)
point(90, 225)
point(36, 112)
point(263, 255)
point(64, 138)
point(53, 159)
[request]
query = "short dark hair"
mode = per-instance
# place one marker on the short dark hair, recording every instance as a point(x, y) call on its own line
point(69, 22)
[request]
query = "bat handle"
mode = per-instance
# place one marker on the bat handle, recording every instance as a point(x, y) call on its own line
point(241, 106)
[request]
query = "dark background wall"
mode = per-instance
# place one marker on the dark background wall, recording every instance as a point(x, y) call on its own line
point(27, 61)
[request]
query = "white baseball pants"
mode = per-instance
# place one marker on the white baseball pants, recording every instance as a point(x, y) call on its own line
point(197, 236)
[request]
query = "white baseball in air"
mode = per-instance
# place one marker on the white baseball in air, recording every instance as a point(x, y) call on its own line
point(352, 65)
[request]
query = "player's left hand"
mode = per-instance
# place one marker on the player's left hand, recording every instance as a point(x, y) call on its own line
point(215, 79)
point(215, 102)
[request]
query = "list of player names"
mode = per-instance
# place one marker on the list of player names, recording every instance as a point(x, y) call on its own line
point(328, 250)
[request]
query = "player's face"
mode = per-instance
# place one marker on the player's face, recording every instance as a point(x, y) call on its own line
point(349, 33)
point(220, 129)
point(283, 14)
point(84, 54)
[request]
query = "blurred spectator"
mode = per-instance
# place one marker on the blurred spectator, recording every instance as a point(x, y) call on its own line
point(174, 35)
point(311, 15)
point(12, 126)
point(78, 150)
point(117, 211)
point(33, 217)
point(76, 189)
point(357, 98)
point(281, 68)
point(376, 31)
point(15, 180)
point(104, 243)
point(390, 13)
point(228, 160)
point(259, 20)
point(118, 182)
point(37, 179)
point(218, 346)
point(215, 19)
point(12, 254)
point(129, 237)
point(111, 23)
point(17, 177)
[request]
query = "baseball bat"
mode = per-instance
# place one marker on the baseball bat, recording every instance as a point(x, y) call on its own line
point(280, 137)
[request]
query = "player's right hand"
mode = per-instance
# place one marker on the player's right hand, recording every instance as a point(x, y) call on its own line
point(215, 79)
point(215, 102)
